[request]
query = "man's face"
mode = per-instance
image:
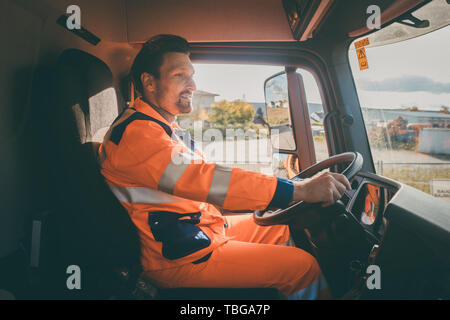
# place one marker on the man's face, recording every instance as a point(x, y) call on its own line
point(173, 90)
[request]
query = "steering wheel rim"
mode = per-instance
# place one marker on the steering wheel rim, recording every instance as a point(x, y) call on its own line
point(282, 216)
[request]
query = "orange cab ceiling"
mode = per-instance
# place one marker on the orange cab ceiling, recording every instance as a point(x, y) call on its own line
point(137, 20)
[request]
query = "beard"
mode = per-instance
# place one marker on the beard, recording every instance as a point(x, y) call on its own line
point(179, 105)
point(184, 105)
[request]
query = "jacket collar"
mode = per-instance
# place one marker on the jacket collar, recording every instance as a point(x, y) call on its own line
point(144, 107)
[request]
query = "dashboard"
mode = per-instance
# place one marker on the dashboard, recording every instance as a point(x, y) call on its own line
point(394, 226)
point(412, 230)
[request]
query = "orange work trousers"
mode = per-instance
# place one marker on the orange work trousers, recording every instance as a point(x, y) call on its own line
point(255, 257)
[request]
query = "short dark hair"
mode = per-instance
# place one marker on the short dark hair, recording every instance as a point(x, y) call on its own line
point(150, 57)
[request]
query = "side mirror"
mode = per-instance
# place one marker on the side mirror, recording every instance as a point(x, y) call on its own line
point(277, 112)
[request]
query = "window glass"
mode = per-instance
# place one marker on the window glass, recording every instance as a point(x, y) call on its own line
point(228, 99)
point(405, 99)
point(278, 112)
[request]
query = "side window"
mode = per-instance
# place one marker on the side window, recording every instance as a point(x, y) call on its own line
point(228, 120)
point(235, 109)
point(405, 100)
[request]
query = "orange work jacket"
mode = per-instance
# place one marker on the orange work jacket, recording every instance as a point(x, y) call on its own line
point(172, 193)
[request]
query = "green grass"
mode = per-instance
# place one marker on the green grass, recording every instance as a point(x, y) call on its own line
point(417, 176)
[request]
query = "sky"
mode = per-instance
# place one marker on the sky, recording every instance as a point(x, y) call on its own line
point(234, 81)
point(414, 72)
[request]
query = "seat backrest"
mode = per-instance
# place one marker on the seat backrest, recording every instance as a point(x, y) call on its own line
point(95, 231)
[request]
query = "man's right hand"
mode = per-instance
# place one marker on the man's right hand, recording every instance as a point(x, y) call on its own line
point(324, 187)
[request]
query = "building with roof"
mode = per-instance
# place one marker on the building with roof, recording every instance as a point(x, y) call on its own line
point(203, 100)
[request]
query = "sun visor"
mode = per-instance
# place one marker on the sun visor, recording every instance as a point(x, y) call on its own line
point(396, 9)
point(432, 16)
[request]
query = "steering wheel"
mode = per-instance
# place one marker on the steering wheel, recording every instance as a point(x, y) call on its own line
point(282, 216)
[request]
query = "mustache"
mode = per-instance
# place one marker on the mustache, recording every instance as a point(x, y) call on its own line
point(186, 92)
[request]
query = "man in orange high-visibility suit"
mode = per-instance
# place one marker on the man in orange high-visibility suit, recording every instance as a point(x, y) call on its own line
point(172, 193)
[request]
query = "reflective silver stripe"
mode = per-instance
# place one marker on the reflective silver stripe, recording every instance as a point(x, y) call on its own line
point(175, 169)
point(219, 185)
point(141, 195)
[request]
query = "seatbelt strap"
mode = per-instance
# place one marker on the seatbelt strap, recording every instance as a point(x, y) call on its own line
point(117, 132)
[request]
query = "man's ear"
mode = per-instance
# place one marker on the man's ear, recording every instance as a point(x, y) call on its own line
point(148, 82)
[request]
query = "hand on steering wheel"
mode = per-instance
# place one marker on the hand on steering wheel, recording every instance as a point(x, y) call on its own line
point(324, 189)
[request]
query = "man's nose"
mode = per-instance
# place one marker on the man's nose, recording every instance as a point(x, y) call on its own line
point(191, 85)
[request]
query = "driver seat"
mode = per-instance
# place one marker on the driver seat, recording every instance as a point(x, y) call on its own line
point(94, 231)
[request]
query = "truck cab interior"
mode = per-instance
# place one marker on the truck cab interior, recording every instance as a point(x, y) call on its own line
point(62, 87)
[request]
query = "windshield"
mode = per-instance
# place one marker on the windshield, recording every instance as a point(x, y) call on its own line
point(405, 99)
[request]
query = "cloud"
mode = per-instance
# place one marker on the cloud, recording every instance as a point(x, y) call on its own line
point(406, 84)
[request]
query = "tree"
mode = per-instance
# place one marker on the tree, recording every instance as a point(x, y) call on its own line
point(414, 108)
point(199, 115)
point(444, 109)
point(195, 115)
point(225, 113)
point(220, 114)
